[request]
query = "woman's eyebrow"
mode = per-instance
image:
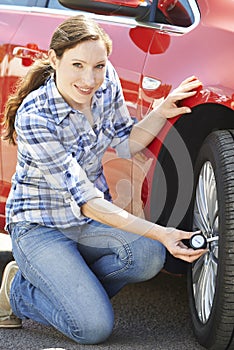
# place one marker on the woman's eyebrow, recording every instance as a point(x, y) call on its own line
point(82, 61)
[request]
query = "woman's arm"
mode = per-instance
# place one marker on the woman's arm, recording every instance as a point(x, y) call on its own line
point(145, 131)
point(107, 213)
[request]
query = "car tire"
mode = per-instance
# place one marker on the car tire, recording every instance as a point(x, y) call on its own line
point(211, 278)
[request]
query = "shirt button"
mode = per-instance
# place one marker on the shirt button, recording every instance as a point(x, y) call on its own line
point(98, 94)
point(68, 175)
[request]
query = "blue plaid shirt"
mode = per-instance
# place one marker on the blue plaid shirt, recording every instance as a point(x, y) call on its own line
point(59, 165)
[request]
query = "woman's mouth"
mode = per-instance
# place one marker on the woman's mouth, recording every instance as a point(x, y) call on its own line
point(84, 91)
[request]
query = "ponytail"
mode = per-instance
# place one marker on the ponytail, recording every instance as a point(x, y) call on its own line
point(35, 77)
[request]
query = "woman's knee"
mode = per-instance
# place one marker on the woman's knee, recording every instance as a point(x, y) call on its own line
point(149, 258)
point(94, 330)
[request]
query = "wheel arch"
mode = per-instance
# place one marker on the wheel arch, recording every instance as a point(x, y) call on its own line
point(205, 119)
point(192, 129)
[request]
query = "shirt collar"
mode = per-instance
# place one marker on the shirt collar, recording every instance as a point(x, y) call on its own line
point(59, 108)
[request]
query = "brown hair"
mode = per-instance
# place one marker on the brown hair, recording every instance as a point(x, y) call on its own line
point(71, 32)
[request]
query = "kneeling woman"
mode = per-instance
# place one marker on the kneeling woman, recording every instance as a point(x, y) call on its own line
point(74, 249)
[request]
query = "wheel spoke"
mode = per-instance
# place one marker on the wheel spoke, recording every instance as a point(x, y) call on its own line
point(209, 288)
point(212, 202)
point(202, 198)
point(198, 293)
point(197, 268)
point(204, 286)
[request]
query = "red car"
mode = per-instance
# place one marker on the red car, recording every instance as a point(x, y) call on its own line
point(186, 177)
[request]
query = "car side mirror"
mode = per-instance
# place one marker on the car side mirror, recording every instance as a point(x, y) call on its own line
point(137, 9)
point(176, 12)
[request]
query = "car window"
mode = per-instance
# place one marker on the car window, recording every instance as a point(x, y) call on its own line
point(56, 5)
point(19, 2)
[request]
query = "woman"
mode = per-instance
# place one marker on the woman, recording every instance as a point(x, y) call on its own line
point(74, 248)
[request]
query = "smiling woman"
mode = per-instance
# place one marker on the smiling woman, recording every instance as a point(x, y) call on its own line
point(73, 248)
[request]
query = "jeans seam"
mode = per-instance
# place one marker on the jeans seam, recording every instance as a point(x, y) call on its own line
point(66, 314)
point(124, 268)
point(127, 248)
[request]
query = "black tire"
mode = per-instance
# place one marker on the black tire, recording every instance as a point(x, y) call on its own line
point(211, 278)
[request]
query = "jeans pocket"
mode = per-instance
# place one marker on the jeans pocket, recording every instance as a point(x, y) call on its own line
point(20, 229)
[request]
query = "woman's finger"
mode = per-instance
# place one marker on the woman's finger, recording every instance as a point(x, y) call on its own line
point(189, 80)
point(189, 255)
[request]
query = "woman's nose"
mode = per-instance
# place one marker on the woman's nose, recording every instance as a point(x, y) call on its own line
point(88, 78)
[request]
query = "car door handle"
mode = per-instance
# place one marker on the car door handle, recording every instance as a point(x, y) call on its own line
point(25, 52)
point(28, 54)
point(150, 83)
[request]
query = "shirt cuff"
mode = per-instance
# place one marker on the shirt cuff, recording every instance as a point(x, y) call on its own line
point(76, 208)
point(80, 187)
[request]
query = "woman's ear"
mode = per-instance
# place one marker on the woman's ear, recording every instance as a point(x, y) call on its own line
point(52, 58)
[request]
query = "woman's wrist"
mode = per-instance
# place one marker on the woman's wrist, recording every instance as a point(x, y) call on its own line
point(157, 114)
point(157, 233)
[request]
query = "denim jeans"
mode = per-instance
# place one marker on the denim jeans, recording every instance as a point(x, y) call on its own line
point(66, 278)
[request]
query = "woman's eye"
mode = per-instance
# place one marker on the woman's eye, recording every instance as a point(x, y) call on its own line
point(100, 66)
point(77, 65)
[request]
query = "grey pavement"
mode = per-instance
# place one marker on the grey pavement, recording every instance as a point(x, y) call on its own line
point(153, 315)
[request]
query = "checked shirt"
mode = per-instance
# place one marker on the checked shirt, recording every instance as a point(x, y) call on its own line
point(59, 162)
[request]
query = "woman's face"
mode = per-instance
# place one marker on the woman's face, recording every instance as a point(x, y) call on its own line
point(80, 72)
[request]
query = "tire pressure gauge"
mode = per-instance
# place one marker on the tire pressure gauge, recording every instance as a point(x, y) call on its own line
point(199, 241)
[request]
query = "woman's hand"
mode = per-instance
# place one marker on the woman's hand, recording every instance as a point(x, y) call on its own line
point(148, 128)
point(172, 239)
point(170, 107)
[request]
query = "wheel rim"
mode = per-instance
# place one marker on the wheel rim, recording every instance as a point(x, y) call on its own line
point(204, 270)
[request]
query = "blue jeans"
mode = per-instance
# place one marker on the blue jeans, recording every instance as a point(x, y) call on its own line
point(66, 278)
